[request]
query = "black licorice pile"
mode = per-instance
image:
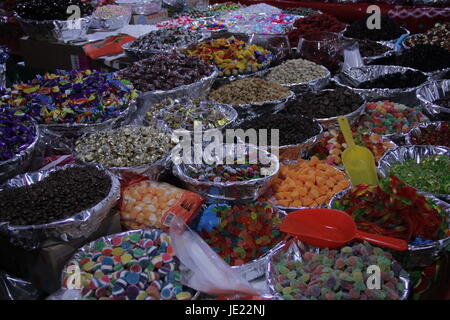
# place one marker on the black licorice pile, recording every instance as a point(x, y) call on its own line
point(324, 104)
point(423, 57)
point(59, 196)
point(389, 30)
point(292, 130)
point(51, 10)
point(408, 79)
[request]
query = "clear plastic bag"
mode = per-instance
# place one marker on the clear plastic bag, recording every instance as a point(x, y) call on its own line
point(203, 269)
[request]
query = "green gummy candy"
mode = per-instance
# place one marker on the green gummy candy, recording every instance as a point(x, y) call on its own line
point(99, 245)
point(327, 270)
point(296, 291)
point(287, 290)
point(279, 287)
point(357, 275)
point(378, 251)
point(359, 285)
point(347, 249)
point(288, 297)
point(284, 270)
point(291, 275)
point(305, 277)
point(338, 295)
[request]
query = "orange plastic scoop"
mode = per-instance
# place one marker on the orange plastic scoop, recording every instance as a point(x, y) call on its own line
point(329, 228)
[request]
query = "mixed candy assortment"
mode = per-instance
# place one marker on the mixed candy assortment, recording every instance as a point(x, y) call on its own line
point(17, 132)
point(124, 147)
point(72, 190)
point(134, 266)
point(245, 232)
point(438, 35)
point(430, 174)
point(233, 56)
point(332, 144)
point(396, 210)
point(111, 11)
point(186, 113)
point(336, 274)
point(71, 97)
point(240, 170)
point(386, 117)
point(308, 183)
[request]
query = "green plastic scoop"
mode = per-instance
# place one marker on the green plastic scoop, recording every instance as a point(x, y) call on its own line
point(359, 162)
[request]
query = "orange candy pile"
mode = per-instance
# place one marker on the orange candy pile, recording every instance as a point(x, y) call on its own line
point(308, 183)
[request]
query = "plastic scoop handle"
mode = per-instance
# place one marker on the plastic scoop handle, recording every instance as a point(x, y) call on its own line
point(382, 241)
point(345, 129)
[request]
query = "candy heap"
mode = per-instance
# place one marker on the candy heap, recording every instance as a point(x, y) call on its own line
point(407, 79)
point(111, 11)
point(337, 274)
point(296, 71)
point(385, 117)
point(438, 35)
point(371, 48)
point(245, 232)
point(211, 11)
point(394, 209)
point(388, 30)
point(235, 172)
point(186, 113)
point(166, 71)
point(308, 184)
point(431, 174)
point(331, 146)
point(71, 97)
point(17, 132)
point(433, 136)
point(71, 190)
point(124, 147)
point(314, 23)
point(233, 56)
point(165, 39)
point(136, 266)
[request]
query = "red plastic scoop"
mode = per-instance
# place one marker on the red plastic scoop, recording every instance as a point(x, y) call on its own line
point(329, 228)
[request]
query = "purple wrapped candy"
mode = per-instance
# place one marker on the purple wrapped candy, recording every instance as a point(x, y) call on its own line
point(17, 132)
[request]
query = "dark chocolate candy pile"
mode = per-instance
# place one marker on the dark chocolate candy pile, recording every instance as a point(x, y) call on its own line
point(51, 9)
point(423, 57)
point(408, 79)
point(371, 48)
point(324, 104)
point(389, 30)
point(59, 196)
point(443, 102)
point(165, 71)
point(292, 130)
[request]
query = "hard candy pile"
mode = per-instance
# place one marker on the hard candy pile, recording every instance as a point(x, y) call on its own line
point(337, 274)
point(433, 136)
point(166, 71)
point(136, 266)
point(165, 39)
point(17, 132)
point(71, 97)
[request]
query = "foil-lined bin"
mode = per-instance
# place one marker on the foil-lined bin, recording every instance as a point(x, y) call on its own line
point(270, 195)
point(388, 43)
point(80, 225)
point(55, 30)
point(352, 117)
point(152, 170)
point(230, 190)
point(135, 54)
point(12, 288)
point(73, 290)
point(257, 109)
point(226, 110)
point(312, 85)
point(418, 153)
point(21, 161)
point(353, 77)
point(196, 90)
point(111, 24)
point(429, 93)
point(293, 251)
point(417, 255)
point(417, 131)
point(71, 131)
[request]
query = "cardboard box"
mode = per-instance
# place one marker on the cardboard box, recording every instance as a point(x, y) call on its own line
point(151, 18)
point(43, 267)
point(53, 55)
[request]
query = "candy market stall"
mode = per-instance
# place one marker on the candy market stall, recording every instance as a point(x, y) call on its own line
point(179, 152)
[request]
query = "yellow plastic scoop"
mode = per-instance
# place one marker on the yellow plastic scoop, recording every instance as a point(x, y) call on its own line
point(359, 162)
